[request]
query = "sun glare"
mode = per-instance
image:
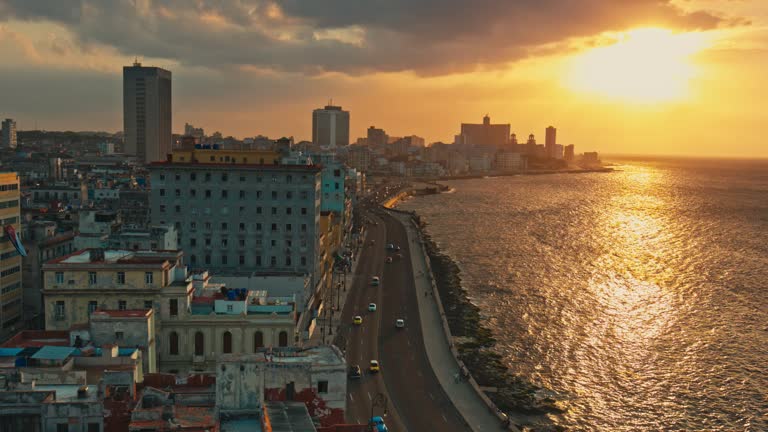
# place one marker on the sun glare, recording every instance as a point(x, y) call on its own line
point(642, 66)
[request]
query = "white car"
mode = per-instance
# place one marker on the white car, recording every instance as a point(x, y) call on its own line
point(400, 323)
point(375, 281)
point(372, 307)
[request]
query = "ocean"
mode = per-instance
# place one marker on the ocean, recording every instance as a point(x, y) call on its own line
point(639, 296)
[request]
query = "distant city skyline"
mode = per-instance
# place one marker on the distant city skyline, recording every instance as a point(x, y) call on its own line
point(646, 77)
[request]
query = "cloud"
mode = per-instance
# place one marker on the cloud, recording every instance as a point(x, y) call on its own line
point(429, 37)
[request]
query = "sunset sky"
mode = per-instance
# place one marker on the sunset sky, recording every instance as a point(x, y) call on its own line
point(682, 77)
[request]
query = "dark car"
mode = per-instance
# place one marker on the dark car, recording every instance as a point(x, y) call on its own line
point(355, 372)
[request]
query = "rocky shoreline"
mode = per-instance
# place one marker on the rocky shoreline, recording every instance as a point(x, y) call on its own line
point(523, 401)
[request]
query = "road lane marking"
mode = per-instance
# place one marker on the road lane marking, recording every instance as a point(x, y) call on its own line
point(369, 396)
point(446, 420)
point(430, 395)
point(351, 398)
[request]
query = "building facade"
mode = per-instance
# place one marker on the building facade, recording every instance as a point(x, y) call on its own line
point(8, 134)
point(239, 210)
point(147, 112)
point(10, 255)
point(485, 134)
point(550, 141)
point(330, 127)
point(377, 137)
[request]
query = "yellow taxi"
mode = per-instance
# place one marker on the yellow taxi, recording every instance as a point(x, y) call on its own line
point(358, 320)
point(374, 366)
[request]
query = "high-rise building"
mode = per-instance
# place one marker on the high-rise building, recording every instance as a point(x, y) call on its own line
point(550, 141)
point(377, 137)
point(147, 112)
point(569, 154)
point(8, 134)
point(11, 251)
point(485, 134)
point(330, 126)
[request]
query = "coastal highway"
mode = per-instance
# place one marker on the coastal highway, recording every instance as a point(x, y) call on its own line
point(416, 401)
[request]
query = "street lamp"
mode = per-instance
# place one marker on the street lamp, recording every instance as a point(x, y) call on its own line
point(380, 400)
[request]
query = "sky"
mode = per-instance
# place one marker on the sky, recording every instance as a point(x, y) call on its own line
point(667, 77)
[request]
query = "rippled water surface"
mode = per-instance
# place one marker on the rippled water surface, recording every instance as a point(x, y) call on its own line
point(642, 294)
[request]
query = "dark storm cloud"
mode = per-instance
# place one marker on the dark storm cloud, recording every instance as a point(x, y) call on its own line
point(427, 36)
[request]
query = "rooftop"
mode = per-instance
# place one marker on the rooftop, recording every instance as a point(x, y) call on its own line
point(249, 424)
point(116, 256)
point(54, 353)
point(37, 338)
point(128, 313)
point(289, 417)
point(68, 392)
point(325, 355)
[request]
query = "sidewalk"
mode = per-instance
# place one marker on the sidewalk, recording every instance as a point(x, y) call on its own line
point(464, 397)
point(317, 336)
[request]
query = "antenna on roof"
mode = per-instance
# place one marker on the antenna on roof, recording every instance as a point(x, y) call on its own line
point(136, 61)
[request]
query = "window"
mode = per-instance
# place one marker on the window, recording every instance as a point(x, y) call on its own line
point(304, 195)
point(59, 277)
point(207, 176)
point(241, 261)
point(303, 260)
point(258, 194)
point(242, 194)
point(258, 341)
point(223, 259)
point(224, 242)
point(62, 427)
point(274, 227)
point(273, 243)
point(322, 386)
point(178, 192)
point(91, 278)
point(173, 343)
point(273, 261)
point(242, 178)
point(162, 192)
point(122, 305)
point(224, 193)
point(177, 209)
point(227, 343)
point(288, 210)
point(119, 336)
point(242, 209)
point(177, 177)
point(288, 227)
point(199, 344)
point(94, 427)
point(193, 192)
point(258, 226)
point(92, 306)
point(242, 226)
point(287, 260)
point(258, 260)
point(258, 210)
point(274, 195)
point(207, 193)
point(208, 259)
point(241, 242)
point(193, 259)
point(289, 195)
point(173, 306)
point(193, 225)
point(223, 226)
point(303, 227)
point(274, 211)
point(193, 176)
point(162, 176)
point(162, 208)
point(336, 185)
point(193, 242)
point(148, 304)
point(283, 339)
point(303, 211)
point(121, 278)
point(207, 242)
point(60, 310)
point(149, 277)
point(224, 177)
point(208, 226)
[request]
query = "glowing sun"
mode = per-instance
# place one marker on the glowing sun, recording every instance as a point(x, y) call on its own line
point(642, 66)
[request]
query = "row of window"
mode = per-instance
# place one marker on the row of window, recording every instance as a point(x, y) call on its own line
point(10, 271)
point(242, 194)
point(7, 255)
point(11, 287)
point(10, 220)
point(224, 260)
point(274, 178)
point(9, 187)
point(241, 242)
point(9, 204)
point(226, 342)
point(288, 211)
point(64, 427)
point(149, 278)
point(60, 311)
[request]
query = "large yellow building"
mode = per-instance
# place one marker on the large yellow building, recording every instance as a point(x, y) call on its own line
point(10, 259)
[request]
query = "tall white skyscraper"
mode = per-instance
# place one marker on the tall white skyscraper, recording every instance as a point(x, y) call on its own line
point(8, 134)
point(330, 126)
point(147, 112)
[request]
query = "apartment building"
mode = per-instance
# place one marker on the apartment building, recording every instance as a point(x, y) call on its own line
point(10, 255)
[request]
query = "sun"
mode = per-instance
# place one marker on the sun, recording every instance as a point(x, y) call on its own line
point(647, 65)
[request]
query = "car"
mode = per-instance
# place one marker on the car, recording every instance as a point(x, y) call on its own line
point(390, 246)
point(358, 320)
point(388, 260)
point(399, 323)
point(375, 281)
point(372, 242)
point(372, 307)
point(355, 372)
point(379, 424)
point(397, 248)
point(374, 366)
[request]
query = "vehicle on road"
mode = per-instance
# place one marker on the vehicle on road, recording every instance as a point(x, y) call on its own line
point(358, 320)
point(397, 248)
point(372, 242)
point(375, 281)
point(378, 423)
point(388, 260)
point(374, 366)
point(390, 246)
point(400, 323)
point(372, 307)
point(355, 372)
